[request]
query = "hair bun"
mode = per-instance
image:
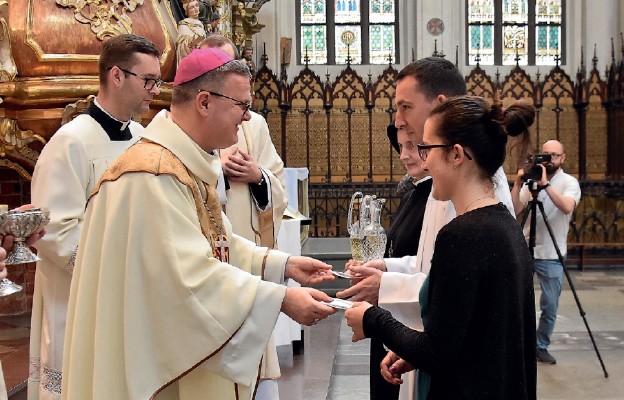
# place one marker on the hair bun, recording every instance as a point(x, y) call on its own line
point(518, 118)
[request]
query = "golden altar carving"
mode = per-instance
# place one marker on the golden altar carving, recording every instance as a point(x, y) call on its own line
point(48, 59)
point(49, 52)
point(105, 19)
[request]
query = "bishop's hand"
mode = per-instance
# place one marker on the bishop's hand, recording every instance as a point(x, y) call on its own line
point(304, 305)
point(307, 270)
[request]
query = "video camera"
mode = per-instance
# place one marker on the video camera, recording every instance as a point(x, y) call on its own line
point(532, 169)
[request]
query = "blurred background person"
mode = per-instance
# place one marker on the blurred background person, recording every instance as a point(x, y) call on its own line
point(559, 193)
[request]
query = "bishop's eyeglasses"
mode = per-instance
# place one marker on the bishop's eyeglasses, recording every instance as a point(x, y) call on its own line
point(244, 105)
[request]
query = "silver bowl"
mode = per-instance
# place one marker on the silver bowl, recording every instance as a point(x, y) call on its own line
point(22, 224)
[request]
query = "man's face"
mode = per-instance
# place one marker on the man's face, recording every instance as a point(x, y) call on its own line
point(226, 114)
point(132, 93)
point(412, 111)
point(555, 149)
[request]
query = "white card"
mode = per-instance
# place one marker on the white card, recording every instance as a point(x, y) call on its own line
point(339, 304)
point(341, 274)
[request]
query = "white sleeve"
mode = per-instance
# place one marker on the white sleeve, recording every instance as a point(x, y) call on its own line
point(60, 183)
point(398, 293)
point(501, 189)
point(405, 265)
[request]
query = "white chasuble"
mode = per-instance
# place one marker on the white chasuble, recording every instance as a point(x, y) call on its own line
point(152, 313)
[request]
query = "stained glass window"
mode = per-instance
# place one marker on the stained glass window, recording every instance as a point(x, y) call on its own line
point(515, 21)
point(548, 19)
point(347, 11)
point(348, 42)
point(314, 43)
point(332, 30)
point(503, 32)
point(381, 11)
point(381, 43)
point(481, 31)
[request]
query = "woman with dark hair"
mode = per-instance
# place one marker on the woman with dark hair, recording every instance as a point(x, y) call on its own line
point(478, 302)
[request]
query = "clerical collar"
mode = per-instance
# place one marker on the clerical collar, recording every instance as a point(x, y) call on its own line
point(115, 129)
point(421, 180)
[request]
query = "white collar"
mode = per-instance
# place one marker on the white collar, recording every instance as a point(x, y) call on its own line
point(124, 125)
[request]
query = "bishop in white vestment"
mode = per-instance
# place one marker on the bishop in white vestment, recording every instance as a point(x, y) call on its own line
point(166, 302)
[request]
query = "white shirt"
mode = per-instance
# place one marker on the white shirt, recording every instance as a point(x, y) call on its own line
point(559, 222)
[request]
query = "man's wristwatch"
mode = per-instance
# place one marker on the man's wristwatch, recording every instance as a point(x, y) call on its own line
point(546, 185)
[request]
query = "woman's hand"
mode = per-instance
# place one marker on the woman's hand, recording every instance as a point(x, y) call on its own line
point(355, 316)
point(392, 367)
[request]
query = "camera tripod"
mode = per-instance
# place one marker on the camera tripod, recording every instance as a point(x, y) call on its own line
point(534, 204)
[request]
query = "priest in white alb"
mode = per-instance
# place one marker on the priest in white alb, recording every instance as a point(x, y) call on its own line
point(66, 172)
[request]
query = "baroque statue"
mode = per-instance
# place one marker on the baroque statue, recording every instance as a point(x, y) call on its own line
point(191, 30)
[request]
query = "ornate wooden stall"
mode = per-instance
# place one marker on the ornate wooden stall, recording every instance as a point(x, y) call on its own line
point(337, 128)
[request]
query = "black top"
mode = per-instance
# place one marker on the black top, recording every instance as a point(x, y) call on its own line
point(259, 191)
point(404, 233)
point(479, 342)
point(111, 126)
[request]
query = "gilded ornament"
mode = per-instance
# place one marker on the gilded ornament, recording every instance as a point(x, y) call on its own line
point(14, 141)
point(15, 167)
point(74, 109)
point(8, 70)
point(107, 17)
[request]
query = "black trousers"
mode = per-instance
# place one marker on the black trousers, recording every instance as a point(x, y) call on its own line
point(379, 388)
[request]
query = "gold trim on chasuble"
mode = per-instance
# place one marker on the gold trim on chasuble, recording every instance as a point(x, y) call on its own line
point(149, 157)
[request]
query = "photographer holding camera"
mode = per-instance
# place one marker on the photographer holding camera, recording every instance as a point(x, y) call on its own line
point(559, 193)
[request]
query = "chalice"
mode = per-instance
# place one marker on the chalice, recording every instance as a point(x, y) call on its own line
point(21, 224)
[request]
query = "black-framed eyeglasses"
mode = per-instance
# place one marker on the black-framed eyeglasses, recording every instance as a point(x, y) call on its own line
point(149, 83)
point(423, 150)
point(244, 105)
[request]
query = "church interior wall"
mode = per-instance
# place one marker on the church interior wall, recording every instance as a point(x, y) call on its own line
point(589, 24)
